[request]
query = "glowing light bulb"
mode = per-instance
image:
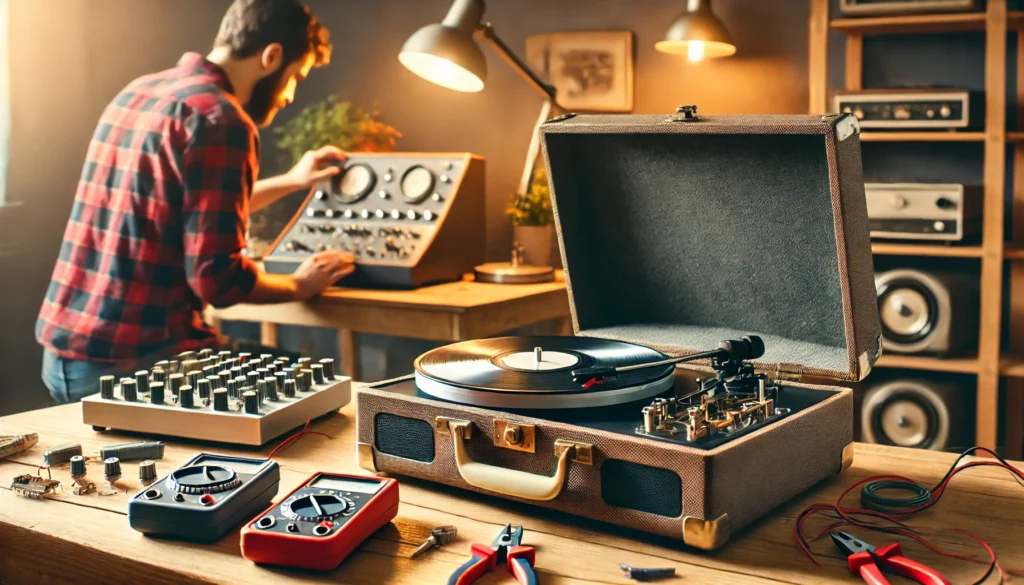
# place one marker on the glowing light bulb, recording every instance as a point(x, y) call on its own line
point(695, 51)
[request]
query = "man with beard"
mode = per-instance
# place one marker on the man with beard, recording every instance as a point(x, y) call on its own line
point(158, 226)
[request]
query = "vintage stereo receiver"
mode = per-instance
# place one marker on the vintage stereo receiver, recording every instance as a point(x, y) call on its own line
point(913, 109)
point(916, 412)
point(755, 291)
point(922, 211)
point(409, 219)
point(897, 7)
point(927, 312)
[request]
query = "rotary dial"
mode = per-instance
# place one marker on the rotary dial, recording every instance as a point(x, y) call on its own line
point(417, 183)
point(203, 479)
point(316, 507)
point(353, 183)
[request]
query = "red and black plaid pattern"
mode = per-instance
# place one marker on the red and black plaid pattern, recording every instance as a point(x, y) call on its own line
point(157, 229)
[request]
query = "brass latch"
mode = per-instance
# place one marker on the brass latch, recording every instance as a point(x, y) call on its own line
point(515, 436)
point(445, 426)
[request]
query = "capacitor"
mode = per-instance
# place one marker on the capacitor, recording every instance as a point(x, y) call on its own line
point(106, 387)
point(112, 469)
point(138, 451)
point(157, 374)
point(328, 365)
point(251, 401)
point(174, 383)
point(289, 388)
point(318, 373)
point(648, 413)
point(128, 390)
point(204, 389)
point(61, 454)
point(220, 400)
point(77, 467)
point(186, 399)
point(142, 382)
point(147, 471)
point(156, 393)
point(270, 384)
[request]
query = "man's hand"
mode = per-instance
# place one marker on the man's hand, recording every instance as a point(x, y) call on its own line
point(308, 170)
point(321, 271)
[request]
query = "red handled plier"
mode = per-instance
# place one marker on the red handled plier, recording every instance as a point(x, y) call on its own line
point(504, 550)
point(869, 562)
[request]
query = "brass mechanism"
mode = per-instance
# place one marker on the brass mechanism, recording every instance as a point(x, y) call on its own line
point(364, 457)
point(446, 425)
point(706, 534)
point(583, 452)
point(518, 437)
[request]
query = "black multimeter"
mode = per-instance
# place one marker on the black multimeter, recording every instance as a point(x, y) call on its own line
point(205, 498)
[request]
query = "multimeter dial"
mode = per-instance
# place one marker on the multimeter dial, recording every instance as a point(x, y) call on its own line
point(203, 479)
point(316, 507)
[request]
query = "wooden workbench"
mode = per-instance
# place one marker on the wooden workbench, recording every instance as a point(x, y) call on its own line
point(87, 538)
point(454, 311)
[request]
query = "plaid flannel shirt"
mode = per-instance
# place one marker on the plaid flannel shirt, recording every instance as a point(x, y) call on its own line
point(158, 225)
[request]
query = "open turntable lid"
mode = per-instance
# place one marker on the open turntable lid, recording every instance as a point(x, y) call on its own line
point(678, 231)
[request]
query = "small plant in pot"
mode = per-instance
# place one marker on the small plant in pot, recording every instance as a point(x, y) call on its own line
point(533, 220)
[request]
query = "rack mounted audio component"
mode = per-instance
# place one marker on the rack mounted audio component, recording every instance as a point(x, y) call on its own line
point(408, 219)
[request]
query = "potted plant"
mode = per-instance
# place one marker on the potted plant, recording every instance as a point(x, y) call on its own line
point(533, 220)
point(340, 123)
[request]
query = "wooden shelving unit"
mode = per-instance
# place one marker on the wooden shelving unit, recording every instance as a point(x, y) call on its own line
point(990, 362)
point(889, 249)
point(942, 136)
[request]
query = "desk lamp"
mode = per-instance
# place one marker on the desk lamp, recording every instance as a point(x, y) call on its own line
point(447, 54)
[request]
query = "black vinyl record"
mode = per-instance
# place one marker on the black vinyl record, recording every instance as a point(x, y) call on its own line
point(510, 372)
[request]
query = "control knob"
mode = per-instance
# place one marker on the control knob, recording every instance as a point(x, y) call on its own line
point(321, 196)
point(348, 214)
point(412, 215)
point(142, 382)
point(147, 471)
point(186, 398)
point(111, 469)
point(858, 113)
point(251, 401)
point(220, 400)
point(203, 479)
point(939, 226)
point(428, 215)
point(365, 214)
point(945, 111)
point(436, 197)
point(901, 113)
point(106, 387)
point(395, 214)
point(943, 203)
point(383, 194)
point(898, 202)
point(77, 467)
point(317, 507)
point(381, 214)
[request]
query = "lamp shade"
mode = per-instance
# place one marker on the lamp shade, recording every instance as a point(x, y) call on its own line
point(698, 34)
point(447, 53)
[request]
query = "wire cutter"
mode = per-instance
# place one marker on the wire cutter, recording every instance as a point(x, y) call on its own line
point(869, 562)
point(505, 550)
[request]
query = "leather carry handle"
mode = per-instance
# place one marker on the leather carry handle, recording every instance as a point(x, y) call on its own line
point(511, 482)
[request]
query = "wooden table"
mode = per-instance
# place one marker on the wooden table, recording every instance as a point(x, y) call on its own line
point(454, 311)
point(87, 538)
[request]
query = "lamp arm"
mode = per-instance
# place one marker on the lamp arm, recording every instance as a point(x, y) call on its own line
point(487, 32)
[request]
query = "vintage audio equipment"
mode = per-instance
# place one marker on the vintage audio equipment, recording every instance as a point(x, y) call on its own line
point(922, 211)
point(897, 7)
point(922, 413)
point(927, 312)
point(205, 498)
point(409, 219)
point(605, 424)
point(239, 399)
point(913, 109)
point(321, 522)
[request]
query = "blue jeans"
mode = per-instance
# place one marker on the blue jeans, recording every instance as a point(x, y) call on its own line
point(71, 380)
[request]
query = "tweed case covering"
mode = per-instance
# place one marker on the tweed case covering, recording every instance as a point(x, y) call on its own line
point(743, 479)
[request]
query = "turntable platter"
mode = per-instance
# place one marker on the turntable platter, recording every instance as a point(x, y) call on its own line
point(536, 372)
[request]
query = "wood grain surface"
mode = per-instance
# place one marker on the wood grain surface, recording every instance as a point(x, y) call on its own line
point(86, 539)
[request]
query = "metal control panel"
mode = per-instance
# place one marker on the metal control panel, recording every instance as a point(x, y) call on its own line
point(408, 219)
point(924, 211)
point(920, 109)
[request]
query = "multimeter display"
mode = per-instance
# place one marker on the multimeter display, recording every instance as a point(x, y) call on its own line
point(321, 522)
point(205, 498)
point(363, 486)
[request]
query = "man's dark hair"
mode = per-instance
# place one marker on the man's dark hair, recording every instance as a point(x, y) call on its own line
point(250, 25)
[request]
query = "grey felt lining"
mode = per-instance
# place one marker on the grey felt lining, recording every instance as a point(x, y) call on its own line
point(682, 240)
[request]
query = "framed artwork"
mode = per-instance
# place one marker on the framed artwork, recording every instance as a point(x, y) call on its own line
point(592, 71)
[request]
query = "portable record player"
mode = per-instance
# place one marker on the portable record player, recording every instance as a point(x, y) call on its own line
point(739, 243)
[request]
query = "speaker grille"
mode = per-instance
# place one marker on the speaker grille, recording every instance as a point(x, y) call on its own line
point(641, 487)
point(409, 438)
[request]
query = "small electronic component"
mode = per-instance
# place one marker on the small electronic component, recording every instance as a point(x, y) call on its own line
point(134, 451)
point(61, 454)
point(639, 574)
point(147, 472)
point(321, 522)
point(34, 486)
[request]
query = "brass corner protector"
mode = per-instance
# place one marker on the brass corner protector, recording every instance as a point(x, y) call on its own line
point(706, 534)
point(847, 457)
point(364, 457)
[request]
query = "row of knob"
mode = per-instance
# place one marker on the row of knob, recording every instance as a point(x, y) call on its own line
point(357, 231)
point(901, 112)
point(395, 214)
point(390, 247)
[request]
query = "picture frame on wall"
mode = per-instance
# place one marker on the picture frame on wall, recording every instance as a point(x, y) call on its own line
point(592, 71)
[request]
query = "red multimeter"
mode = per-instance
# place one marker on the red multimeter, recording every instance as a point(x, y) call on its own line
point(321, 522)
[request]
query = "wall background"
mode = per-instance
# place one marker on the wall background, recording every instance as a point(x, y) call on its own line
point(68, 58)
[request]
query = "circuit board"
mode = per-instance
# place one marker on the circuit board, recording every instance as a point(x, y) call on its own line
point(237, 399)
